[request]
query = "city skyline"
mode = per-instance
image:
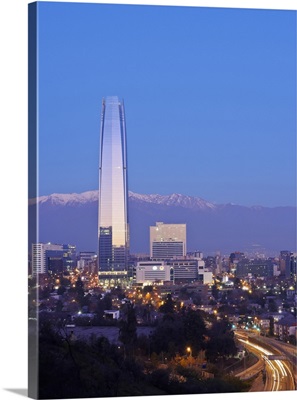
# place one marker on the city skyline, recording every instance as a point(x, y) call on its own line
point(211, 104)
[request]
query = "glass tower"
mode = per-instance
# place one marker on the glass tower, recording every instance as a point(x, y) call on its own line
point(113, 227)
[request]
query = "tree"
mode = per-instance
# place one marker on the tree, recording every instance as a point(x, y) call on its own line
point(79, 290)
point(168, 336)
point(221, 343)
point(292, 339)
point(61, 290)
point(215, 292)
point(44, 293)
point(59, 306)
point(64, 281)
point(103, 303)
point(147, 289)
point(271, 326)
point(128, 328)
point(272, 306)
point(197, 299)
point(194, 329)
point(168, 306)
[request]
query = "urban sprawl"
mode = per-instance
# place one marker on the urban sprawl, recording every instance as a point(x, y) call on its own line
point(174, 321)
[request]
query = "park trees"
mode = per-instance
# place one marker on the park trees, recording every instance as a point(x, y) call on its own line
point(127, 329)
point(221, 342)
point(175, 332)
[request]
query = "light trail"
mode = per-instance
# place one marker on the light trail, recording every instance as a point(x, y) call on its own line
point(278, 368)
point(279, 363)
point(275, 375)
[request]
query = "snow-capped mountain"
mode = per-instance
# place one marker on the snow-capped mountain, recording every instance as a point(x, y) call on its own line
point(174, 199)
point(66, 199)
point(73, 218)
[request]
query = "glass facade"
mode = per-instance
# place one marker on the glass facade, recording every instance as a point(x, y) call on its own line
point(113, 227)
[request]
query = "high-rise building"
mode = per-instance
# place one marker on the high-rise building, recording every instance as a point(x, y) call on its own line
point(52, 258)
point(167, 241)
point(113, 226)
point(256, 268)
point(284, 263)
point(40, 254)
point(69, 256)
point(293, 267)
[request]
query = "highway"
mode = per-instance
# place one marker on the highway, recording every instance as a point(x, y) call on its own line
point(288, 350)
point(274, 365)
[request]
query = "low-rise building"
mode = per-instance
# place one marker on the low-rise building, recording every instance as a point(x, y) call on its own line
point(184, 270)
point(150, 272)
point(285, 327)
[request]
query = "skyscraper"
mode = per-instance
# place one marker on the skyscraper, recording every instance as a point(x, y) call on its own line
point(113, 226)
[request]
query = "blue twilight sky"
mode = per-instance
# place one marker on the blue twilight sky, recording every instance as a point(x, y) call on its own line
point(209, 93)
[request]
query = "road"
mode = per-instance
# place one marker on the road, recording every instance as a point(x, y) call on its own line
point(273, 364)
point(286, 349)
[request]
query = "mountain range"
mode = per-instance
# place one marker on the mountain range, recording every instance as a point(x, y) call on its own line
point(72, 218)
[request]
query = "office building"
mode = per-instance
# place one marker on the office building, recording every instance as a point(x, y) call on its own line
point(113, 226)
point(254, 268)
point(87, 256)
point(54, 261)
point(284, 262)
point(69, 257)
point(204, 275)
point(86, 259)
point(293, 267)
point(52, 258)
point(184, 270)
point(167, 241)
point(40, 255)
point(150, 272)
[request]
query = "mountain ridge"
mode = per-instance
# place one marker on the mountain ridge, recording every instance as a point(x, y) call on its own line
point(173, 199)
point(73, 218)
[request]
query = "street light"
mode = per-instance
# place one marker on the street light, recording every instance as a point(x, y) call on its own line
point(189, 350)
